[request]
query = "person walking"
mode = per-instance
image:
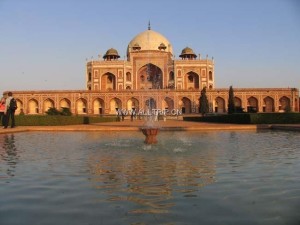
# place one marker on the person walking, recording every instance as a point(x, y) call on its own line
point(10, 108)
point(2, 110)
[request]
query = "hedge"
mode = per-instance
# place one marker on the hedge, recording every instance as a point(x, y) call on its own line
point(250, 118)
point(46, 120)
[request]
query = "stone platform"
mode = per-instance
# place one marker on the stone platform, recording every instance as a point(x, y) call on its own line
point(169, 125)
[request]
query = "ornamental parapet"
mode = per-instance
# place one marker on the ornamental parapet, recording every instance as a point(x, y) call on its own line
point(103, 62)
point(193, 61)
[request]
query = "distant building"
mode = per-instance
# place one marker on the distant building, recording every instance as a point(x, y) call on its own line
point(152, 78)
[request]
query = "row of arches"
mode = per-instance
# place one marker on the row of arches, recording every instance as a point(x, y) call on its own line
point(186, 105)
point(150, 76)
point(99, 106)
point(253, 104)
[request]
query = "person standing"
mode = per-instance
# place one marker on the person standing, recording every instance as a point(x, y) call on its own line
point(2, 110)
point(9, 111)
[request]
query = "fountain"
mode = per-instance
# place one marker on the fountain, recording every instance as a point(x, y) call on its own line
point(151, 126)
point(150, 133)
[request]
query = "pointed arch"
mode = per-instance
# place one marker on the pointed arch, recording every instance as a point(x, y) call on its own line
point(98, 106)
point(81, 106)
point(132, 103)
point(268, 105)
point(151, 104)
point(238, 105)
point(128, 76)
point(150, 76)
point(220, 105)
point(115, 104)
point(186, 105)
point(252, 105)
point(33, 106)
point(284, 104)
point(210, 76)
point(168, 104)
point(296, 105)
point(20, 109)
point(108, 82)
point(237, 102)
point(192, 81)
point(64, 103)
point(171, 81)
point(47, 104)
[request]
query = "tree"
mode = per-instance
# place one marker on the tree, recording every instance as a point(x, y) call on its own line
point(203, 102)
point(231, 106)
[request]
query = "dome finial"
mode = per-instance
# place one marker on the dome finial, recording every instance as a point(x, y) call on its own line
point(149, 26)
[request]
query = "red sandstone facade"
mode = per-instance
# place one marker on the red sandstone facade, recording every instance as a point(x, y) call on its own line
point(150, 78)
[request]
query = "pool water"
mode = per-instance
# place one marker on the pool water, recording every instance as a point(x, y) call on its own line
point(223, 177)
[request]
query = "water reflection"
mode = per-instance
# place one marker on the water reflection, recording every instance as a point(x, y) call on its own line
point(151, 183)
point(8, 154)
point(114, 178)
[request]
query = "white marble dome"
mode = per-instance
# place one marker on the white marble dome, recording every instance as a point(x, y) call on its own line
point(150, 40)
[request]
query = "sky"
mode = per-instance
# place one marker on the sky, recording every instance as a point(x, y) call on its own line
point(44, 44)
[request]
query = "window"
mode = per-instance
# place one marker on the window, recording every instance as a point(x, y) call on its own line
point(210, 77)
point(171, 77)
point(128, 76)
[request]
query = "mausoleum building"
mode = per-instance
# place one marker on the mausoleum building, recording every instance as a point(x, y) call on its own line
point(152, 77)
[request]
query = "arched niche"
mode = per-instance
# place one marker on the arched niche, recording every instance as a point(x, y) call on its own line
point(132, 103)
point(81, 106)
point(47, 104)
point(108, 82)
point(220, 105)
point(33, 106)
point(115, 104)
point(268, 105)
point(98, 106)
point(252, 105)
point(64, 103)
point(186, 105)
point(168, 104)
point(284, 104)
point(192, 81)
point(150, 76)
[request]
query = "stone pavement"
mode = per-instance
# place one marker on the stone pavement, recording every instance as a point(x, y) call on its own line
point(169, 125)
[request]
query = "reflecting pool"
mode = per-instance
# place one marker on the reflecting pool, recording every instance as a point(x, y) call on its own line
point(78, 178)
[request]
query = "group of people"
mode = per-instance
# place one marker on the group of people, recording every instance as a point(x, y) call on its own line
point(7, 110)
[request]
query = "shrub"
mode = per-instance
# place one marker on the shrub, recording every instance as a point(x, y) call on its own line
point(59, 120)
point(66, 112)
point(250, 118)
point(54, 112)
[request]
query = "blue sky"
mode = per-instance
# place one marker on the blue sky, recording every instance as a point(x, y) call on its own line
point(44, 44)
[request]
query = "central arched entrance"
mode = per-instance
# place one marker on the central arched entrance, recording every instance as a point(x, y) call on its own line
point(150, 77)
